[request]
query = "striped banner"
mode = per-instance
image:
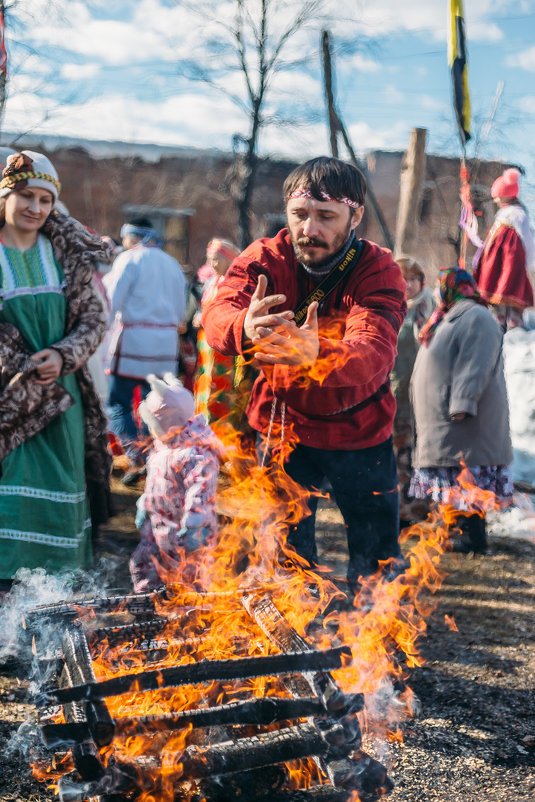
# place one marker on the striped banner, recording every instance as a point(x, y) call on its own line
point(457, 61)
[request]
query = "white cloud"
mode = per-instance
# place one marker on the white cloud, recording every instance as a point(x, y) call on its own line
point(527, 104)
point(79, 72)
point(433, 104)
point(392, 137)
point(189, 120)
point(426, 17)
point(298, 84)
point(392, 95)
point(525, 60)
point(363, 64)
point(312, 140)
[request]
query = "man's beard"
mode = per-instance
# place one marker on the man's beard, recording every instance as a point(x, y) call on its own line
point(321, 260)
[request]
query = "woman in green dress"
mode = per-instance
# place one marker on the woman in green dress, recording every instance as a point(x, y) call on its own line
point(54, 463)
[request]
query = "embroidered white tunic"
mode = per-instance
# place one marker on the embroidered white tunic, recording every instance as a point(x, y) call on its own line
point(147, 290)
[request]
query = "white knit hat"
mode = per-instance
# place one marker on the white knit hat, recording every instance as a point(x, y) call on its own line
point(169, 404)
point(33, 168)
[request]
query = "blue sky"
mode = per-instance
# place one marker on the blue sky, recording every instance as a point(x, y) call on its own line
point(113, 69)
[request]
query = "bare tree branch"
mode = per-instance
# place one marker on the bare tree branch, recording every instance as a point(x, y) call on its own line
point(254, 43)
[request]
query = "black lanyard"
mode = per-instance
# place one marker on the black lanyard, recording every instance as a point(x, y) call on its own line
point(330, 281)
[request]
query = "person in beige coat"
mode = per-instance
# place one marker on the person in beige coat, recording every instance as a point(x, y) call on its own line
point(460, 406)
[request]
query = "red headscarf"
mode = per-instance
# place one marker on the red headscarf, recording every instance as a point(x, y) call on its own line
point(455, 284)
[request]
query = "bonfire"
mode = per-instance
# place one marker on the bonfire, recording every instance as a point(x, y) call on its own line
point(247, 675)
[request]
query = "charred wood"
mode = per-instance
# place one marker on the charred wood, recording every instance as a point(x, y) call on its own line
point(258, 783)
point(203, 671)
point(115, 780)
point(141, 631)
point(85, 755)
point(133, 603)
point(342, 707)
point(78, 662)
point(317, 793)
point(154, 650)
point(259, 711)
point(361, 773)
point(366, 775)
point(278, 746)
point(287, 639)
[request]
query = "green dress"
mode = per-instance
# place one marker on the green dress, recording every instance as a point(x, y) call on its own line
point(44, 519)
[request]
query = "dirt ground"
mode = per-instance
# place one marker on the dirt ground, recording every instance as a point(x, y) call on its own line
point(475, 736)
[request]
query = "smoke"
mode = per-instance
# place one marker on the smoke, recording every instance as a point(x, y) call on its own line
point(35, 587)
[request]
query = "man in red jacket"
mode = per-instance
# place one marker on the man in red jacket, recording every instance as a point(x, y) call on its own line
point(319, 311)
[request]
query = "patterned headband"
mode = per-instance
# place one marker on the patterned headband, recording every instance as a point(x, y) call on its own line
point(306, 193)
point(222, 248)
point(10, 180)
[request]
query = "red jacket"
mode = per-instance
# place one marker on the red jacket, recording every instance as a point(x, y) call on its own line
point(501, 274)
point(343, 401)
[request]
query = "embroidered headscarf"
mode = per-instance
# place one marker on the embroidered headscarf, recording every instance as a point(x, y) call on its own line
point(29, 169)
point(455, 284)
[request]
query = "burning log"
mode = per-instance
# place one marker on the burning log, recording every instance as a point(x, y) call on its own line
point(138, 632)
point(137, 604)
point(194, 673)
point(71, 790)
point(358, 774)
point(78, 663)
point(259, 712)
point(265, 785)
point(276, 628)
point(85, 754)
point(280, 746)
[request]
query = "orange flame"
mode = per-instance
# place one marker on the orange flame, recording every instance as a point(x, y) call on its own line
point(206, 620)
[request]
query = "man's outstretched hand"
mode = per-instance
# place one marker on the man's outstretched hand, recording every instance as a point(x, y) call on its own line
point(276, 338)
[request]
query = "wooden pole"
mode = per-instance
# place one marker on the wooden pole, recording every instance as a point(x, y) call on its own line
point(329, 96)
point(3, 72)
point(336, 126)
point(411, 188)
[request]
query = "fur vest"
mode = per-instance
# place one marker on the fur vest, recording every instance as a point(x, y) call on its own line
point(26, 407)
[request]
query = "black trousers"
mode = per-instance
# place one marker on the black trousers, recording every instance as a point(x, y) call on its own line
point(364, 485)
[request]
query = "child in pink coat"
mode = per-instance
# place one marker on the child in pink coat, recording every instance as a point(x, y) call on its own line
point(176, 513)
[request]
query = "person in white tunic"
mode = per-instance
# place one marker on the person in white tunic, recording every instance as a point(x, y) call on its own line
point(147, 292)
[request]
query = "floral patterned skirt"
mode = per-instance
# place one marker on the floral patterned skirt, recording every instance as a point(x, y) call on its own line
point(441, 484)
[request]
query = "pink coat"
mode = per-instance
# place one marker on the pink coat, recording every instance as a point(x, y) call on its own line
point(177, 511)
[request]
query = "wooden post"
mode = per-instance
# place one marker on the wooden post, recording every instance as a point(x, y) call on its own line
point(3, 71)
point(329, 96)
point(410, 194)
point(336, 126)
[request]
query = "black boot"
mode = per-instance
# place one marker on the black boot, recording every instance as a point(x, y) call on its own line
point(473, 535)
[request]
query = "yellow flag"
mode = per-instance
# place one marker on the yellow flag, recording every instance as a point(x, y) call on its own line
point(459, 69)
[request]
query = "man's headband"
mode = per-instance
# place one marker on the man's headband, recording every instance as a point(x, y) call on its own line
point(306, 193)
